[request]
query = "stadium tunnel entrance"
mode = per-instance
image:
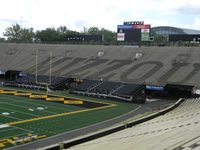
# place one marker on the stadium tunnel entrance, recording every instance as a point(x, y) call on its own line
point(170, 91)
point(12, 75)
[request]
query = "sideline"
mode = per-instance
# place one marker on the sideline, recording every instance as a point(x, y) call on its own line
point(73, 134)
point(57, 115)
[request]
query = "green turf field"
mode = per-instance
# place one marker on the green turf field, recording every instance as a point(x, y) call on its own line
point(22, 117)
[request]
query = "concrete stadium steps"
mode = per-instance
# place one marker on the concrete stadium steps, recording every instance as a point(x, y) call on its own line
point(158, 65)
point(174, 130)
point(185, 110)
point(14, 55)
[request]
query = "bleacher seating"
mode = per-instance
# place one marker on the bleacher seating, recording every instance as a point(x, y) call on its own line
point(87, 85)
point(29, 81)
point(158, 65)
point(59, 83)
point(108, 89)
point(176, 130)
point(126, 89)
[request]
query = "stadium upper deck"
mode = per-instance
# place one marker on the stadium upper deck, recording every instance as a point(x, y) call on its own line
point(153, 65)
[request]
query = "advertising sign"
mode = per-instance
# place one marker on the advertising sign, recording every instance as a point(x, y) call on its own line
point(120, 36)
point(145, 30)
point(144, 26)
point(125, 26)
point(145, 36)
point(154, 87)
point(133, 22)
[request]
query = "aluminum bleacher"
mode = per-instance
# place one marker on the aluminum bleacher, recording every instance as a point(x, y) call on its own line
point(87, 85)
point(126, 89)
point(107, 87)
point(111, 90)
point(176, 130)
point(30, 81)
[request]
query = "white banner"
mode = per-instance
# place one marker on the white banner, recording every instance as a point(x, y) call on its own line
point(120, 36)
point(145, 30)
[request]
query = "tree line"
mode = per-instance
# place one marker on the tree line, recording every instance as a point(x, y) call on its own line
point(18, 34)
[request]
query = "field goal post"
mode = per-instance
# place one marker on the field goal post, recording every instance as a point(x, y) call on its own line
point(50, 71)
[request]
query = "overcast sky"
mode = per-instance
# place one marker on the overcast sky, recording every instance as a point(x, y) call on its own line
point(76, 14)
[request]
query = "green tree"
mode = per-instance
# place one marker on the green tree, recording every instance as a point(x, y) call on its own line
point(54, 35)
point(2, 40)
point(160, 39)
point(49, 35)
point(109, 36)
point(93, 31)
point(62, 29)
point(16, 33)
point(85, 30)
point(61, 33)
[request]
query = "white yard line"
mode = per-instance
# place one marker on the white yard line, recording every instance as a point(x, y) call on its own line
point(22, 129)
point(41, 105)
point(11, 128)
point(14, 128)
point(51, 112)
point(57, 135)
point(2, 126)
point(12, 99)
point(16, 135)
point(97, 123)
point(28, 107)
point(19, 112)
point(16, 119)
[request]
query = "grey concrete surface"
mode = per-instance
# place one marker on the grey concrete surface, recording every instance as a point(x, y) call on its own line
point(158, 65)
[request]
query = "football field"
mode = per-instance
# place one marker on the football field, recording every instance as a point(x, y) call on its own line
point(26, 117)
point(18, 113)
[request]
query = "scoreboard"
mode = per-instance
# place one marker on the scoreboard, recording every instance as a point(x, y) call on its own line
point(130, 35)
point(133, 31)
